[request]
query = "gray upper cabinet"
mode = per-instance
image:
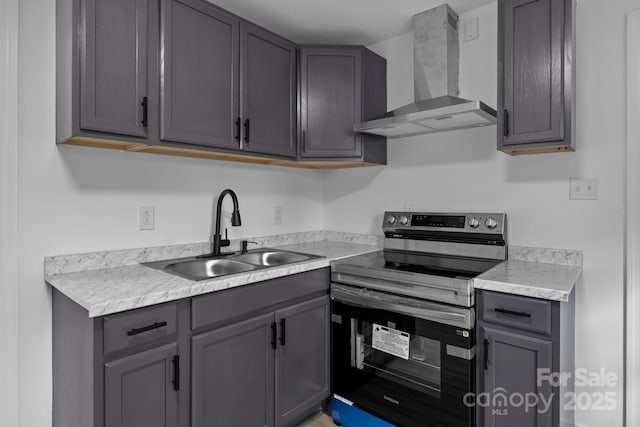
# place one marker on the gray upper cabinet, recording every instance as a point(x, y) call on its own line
point(535, 75)
point(199, 88)
point(139, 389)
point(268, 92)
point(302, 359)
point(233, 375)
point(113, 66)
point(340, 86)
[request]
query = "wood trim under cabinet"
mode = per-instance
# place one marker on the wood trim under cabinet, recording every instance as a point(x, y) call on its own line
point(212, 155)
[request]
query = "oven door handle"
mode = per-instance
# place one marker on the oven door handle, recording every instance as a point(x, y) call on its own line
point(423, 309)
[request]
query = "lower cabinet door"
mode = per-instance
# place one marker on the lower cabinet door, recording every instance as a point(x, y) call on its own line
point(232, 375)
point(512, 394)
point(140, 391)
point(302, 359)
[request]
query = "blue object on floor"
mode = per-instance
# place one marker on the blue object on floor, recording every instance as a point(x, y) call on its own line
point(350, 416)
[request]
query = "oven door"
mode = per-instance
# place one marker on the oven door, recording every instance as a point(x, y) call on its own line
point(405, 360)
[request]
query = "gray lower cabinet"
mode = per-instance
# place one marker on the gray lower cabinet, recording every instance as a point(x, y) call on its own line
point(535, 75)
point(338, 87)
point(232, 377)
point(140, 390)
point(251, 356)
point(512, 363)
point(199, 74)
point(269, 370)
point(521, 341)
point(302, 359)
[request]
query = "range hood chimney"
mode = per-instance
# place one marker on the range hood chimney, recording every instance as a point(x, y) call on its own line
point(436, 69)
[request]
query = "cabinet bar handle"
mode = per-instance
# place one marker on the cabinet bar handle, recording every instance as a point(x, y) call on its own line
point(304, 141)
point(136, 331)
point(246, 131)
point(237, 137)
point(486, 354)
point(505, 123)
point(176, 373)
point(274, 332)
point(144, 105)
point(511, 312)
point(283, 331)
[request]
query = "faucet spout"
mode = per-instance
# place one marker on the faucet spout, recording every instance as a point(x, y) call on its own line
point(218, 242)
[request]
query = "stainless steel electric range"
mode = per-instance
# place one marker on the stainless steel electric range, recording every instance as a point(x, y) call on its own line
point(403, 320)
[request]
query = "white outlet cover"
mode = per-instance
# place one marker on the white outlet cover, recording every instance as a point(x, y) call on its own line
point(277, 215)
point(146, 218)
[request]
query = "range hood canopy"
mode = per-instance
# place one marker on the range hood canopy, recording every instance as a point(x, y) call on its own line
point(436, 63)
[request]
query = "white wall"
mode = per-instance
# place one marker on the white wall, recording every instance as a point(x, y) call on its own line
point(463, 171)
point(75, 199)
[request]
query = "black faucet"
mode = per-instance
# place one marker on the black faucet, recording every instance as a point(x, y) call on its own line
point(218, 241)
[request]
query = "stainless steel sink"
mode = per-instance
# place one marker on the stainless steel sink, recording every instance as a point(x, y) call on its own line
point(200, 269)
point(195, 268)
point(272, 258)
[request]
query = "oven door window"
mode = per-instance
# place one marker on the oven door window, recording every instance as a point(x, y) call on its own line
point(399, 356)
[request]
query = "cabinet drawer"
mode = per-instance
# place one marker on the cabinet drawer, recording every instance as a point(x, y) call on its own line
point(517, 311)
point(219, 306)
point(140, 326)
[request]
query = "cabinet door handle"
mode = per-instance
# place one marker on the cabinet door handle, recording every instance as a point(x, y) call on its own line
point(136, 331)
point(486, 354)
point(511, 312)
point(144, 104)
point(274, 342)
point(304, 141)
point(176, 373)
point(246, 131)
point(283, 331)
point(505, 123)
point(237, 137)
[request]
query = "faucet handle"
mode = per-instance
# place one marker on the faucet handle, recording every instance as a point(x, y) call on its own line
point(245, 244)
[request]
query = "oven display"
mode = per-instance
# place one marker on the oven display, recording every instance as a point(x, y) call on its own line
point(438, 221)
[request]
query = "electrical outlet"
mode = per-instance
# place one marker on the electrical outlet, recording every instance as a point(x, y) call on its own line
point(146, 218)
point(277, 215)
point(583, 188)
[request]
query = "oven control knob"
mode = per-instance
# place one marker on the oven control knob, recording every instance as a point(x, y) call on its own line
point(404, 220)
point(474, 222)
point(391, 219)
point(491, 223)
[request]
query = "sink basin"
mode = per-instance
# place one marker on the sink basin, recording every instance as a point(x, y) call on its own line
point(207, 268)
point(197, 268)
point(272, 258)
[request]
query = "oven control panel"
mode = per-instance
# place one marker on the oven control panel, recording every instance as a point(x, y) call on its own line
point(485, 223)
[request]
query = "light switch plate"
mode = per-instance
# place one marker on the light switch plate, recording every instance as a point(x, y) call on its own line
point(583, 188)
point(470, 28)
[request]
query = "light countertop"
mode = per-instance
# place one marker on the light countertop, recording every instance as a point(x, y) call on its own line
point(119, 288)
point(548, 281)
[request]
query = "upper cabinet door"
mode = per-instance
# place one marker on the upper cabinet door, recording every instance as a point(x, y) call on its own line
point(199, 74)
point(330, 102)
point(114, 66)
point(267, 90)
point(535, 72)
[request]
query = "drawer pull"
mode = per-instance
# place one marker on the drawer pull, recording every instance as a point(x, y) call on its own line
point(274, 342)
point(136, 331)
point(513, 313)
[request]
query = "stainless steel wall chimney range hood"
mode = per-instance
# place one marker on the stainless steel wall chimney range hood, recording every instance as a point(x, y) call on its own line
point(437, 107)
